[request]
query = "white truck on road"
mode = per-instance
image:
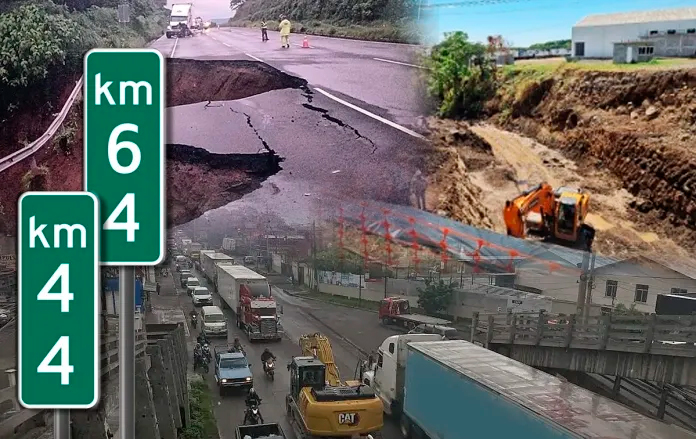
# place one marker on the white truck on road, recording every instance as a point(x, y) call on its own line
point(248, 294)
point(182, 14)
point(209, 261)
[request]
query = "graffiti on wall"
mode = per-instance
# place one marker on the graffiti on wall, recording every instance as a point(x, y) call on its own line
point(341, 279)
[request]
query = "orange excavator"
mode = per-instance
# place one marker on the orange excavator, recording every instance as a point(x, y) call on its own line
point(557, 216)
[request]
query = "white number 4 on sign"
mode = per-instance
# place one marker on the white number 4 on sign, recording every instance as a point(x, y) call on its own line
point(62, 273)
point(64, 368)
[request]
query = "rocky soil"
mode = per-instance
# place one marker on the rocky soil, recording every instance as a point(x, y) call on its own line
point(197, 180)
point(627, 137)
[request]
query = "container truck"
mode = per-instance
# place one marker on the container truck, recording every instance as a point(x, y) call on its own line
point(455, 389)
point(261, 431)
point(182, 14)
point(229, 244)
point(397, 311)
point(248, 294)
point(209, 261)
point(675, 305)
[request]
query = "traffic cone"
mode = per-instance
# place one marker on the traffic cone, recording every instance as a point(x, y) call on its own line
point(305, 43)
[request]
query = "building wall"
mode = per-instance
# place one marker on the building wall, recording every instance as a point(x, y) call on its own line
point(628, 274)
point(599, 40)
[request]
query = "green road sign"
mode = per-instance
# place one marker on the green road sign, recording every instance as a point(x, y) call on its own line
point(124, 152)
point(58, 300)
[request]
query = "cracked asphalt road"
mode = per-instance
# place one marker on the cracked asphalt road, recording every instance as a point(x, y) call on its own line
point(329, 148)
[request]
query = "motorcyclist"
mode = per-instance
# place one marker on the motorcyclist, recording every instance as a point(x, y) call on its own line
point(236, 346)
point(265, 356)
point(197, 353)
point(202, 339)
point(252, 398)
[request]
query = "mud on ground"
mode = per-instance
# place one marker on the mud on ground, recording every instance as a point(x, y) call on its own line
point(627, 137)
point(197, 180)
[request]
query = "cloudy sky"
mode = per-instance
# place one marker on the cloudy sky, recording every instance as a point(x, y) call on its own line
point(207, 9)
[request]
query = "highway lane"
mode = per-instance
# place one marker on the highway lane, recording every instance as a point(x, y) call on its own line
point(329, 148)
point(229, 410)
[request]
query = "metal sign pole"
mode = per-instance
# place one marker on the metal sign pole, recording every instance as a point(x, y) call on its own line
point(61, 424)
point(126, 352)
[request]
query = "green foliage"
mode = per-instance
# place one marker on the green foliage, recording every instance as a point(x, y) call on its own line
point(203, 424)
point(558, 44)
point(330, 260)
point(460, 78)
point(435, 297)
point(623, 310)
point(386, 20)
point(33, 41)
point(42, 43)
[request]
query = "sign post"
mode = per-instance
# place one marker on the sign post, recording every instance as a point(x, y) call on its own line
point(124, 167)
point(58, 303)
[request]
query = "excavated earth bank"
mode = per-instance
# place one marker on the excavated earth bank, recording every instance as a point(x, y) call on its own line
point(196, 179)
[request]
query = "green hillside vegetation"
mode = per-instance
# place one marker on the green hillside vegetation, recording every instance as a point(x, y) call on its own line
point(558, 44)
point(381, 20)
point(43, 43)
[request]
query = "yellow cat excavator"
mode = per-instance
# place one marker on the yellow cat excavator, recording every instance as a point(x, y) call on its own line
point(558, 215)
point(320, 405)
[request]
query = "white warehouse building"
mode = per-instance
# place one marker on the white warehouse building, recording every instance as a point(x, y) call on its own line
point(666, 33)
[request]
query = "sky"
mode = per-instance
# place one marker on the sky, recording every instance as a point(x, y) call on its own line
point(525, 22)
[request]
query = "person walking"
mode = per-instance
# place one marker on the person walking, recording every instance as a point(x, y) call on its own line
point(419, 185)
point(285, 32)
point(264, 30)
point(158, 288)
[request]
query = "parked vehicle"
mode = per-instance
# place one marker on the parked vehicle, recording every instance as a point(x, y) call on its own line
point(232, 371)
point(397, 311)
point(260, 431)
point(488, 395)
point(675, 305)
point(248, 294)
point(446, 332)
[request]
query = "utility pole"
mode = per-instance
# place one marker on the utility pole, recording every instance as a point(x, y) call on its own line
point(590, 286)
point(385, 280)
point(315, 282)
point(582, 285)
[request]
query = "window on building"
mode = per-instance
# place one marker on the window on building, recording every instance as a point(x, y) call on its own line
point(691, 31)
point(678, 291)
point(579, 48)
point(671, 32)
point(653, 32)
point(641, 293)
point(610, 288)
point(645, 50)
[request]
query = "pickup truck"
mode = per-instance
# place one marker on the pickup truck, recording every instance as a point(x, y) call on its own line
point(232, 370)
point(265, 431)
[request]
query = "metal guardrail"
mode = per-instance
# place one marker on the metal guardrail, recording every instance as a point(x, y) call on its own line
point(658, 335)
point(109, 366)
point(37, 144)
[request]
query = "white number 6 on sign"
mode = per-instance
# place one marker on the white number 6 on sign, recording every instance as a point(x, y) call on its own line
point(64, 368)
point(115, 146)
point(62, 273)
point(130, 226)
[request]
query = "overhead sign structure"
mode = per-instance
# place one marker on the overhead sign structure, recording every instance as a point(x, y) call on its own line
point(125, 152)
point(58, 300)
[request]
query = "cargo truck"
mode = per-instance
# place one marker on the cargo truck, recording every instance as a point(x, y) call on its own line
point(456, 389)
point(209, 261)
point(248, 294)
point(180, 19)
point(261, 431)
point(675, 305)
point(397, 311)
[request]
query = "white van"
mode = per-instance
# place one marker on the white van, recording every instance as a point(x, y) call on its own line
point(191, 284)
point(213, 321)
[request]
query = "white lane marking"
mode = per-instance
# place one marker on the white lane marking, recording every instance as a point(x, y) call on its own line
point(171, 55)
point(372, 115)
point(401, 63)
point(253, 57)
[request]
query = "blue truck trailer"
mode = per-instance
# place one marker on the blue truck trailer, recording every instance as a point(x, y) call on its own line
point(458, 390)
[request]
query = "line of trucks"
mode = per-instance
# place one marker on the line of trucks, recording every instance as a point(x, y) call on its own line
point(181, 21)
point(246, 292)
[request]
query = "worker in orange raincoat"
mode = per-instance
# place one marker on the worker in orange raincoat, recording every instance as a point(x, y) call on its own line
point(285, 32)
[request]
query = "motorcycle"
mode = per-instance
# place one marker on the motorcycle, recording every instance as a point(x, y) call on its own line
point(269, 368)
point(201, 360)
point(252, 416)
point(206, 352)
point(194, 320)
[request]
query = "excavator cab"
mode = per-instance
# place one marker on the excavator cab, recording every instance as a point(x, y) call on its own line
point(306, 372)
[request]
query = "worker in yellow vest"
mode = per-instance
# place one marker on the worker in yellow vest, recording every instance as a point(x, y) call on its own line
point(285, 32)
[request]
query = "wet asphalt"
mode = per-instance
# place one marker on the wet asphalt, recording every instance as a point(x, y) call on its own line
point(328, 148)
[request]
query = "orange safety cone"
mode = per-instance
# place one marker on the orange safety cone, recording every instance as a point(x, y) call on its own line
point(305, 43)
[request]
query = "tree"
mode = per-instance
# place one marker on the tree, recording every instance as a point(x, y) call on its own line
point(461, 76)
point(436, 296)
point(623, 310)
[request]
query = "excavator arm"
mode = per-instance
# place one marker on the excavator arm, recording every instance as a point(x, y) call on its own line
point(318, 345)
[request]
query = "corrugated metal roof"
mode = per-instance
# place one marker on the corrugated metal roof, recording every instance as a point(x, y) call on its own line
point(576, 409)
point(654, 16)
